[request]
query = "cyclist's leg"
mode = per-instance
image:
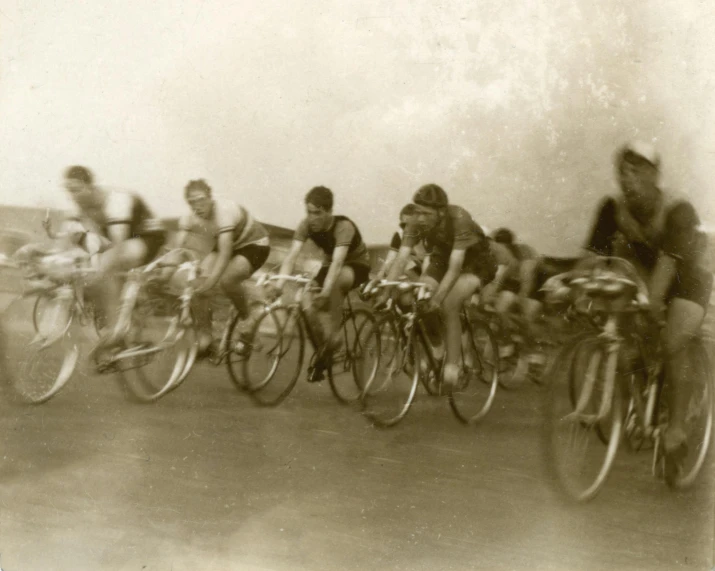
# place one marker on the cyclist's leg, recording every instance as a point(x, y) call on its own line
point(463, 289)
point(242, 266)
point(105, 290)
point(689, 298)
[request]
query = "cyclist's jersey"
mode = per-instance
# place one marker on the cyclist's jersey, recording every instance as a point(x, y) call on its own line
point(418, 251)
point(119, 208)
point(227, 216)
point(342, 232)
point(673, 229)
point(456, 231)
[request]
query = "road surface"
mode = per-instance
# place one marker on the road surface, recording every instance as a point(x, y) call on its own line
point(204, 479)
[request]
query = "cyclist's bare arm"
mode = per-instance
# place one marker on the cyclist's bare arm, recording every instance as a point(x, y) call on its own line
point(290, 259)
point(400, 263)
point(225, 249)
point(454, 268)
point(389, 260)
point(339, 255)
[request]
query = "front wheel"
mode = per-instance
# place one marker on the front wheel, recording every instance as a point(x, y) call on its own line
point(473, 397)
point(387, 397)
point(40, 347)
point(582, 438)
point(157, 355)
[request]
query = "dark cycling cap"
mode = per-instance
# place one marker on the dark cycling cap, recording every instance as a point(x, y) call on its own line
point(408, 210)
point(80, 173)
point(503, 236)
point(431, 195)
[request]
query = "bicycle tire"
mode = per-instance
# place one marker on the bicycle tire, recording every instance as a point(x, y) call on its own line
point(701, 398)
point(387, 398)
point(347, 371)
point(559, 404)
point(277, 336)
point(478, 386)
point(157, 338)
point(35, 370)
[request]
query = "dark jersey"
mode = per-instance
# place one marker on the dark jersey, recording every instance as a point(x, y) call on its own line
point(342, 232)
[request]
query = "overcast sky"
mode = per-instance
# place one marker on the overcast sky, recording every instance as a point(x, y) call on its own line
point(514, 108)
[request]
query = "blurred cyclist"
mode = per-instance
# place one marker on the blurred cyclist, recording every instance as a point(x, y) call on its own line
point(659, 233)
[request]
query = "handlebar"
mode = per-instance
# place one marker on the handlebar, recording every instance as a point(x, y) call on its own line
point(423, 292)
point(265, 278)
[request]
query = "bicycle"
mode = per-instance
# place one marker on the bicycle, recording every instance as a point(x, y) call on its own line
point(279, 336)
point(230, 347)
point(154, 326)
point(389, 396)
point(40, 343)
point(608, 381)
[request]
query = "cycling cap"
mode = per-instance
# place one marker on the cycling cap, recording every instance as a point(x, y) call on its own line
point(645, 151)
point(431, 195)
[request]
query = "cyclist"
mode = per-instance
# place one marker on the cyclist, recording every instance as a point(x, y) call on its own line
point(241, 247)
point(659, 233)
point(345, 267)
point(414, 266)
point(131, 236)
point(459, 260)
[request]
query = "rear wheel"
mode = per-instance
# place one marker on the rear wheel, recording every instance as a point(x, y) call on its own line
point(354, 364)
point(40, 346)
point(699, 417)
point(274, 358)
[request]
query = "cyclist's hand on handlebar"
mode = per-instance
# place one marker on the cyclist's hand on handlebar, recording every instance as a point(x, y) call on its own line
point(272, 291)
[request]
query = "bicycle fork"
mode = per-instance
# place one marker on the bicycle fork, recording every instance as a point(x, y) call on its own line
point(612, 346)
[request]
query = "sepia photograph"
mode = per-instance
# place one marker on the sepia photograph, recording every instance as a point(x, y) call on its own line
point(311, 285)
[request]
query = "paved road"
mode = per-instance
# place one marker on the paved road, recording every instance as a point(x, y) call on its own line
point(206, 480)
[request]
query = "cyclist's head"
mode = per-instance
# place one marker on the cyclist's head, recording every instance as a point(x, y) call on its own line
point(198, 195)
point(503, 236)
point(638, 168)
point(430, 202)
point(79, 182)
point(319, 208)
point(407, 214)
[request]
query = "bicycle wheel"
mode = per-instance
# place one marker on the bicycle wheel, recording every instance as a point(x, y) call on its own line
point(576, 453)
point(472, 399)
point(513, 369)
point(699, 416)
point(156, 353)
point(355, 364)
point(40, 347)
point(277, 338)
point(387, 397)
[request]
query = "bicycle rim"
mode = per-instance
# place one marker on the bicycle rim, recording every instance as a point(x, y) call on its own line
point(275, 358)
point(472, 399)
point(699, 417)
point(354, 365)
point(40, 352)
point(155, 357)
point(576, 453)
point(387, 398)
